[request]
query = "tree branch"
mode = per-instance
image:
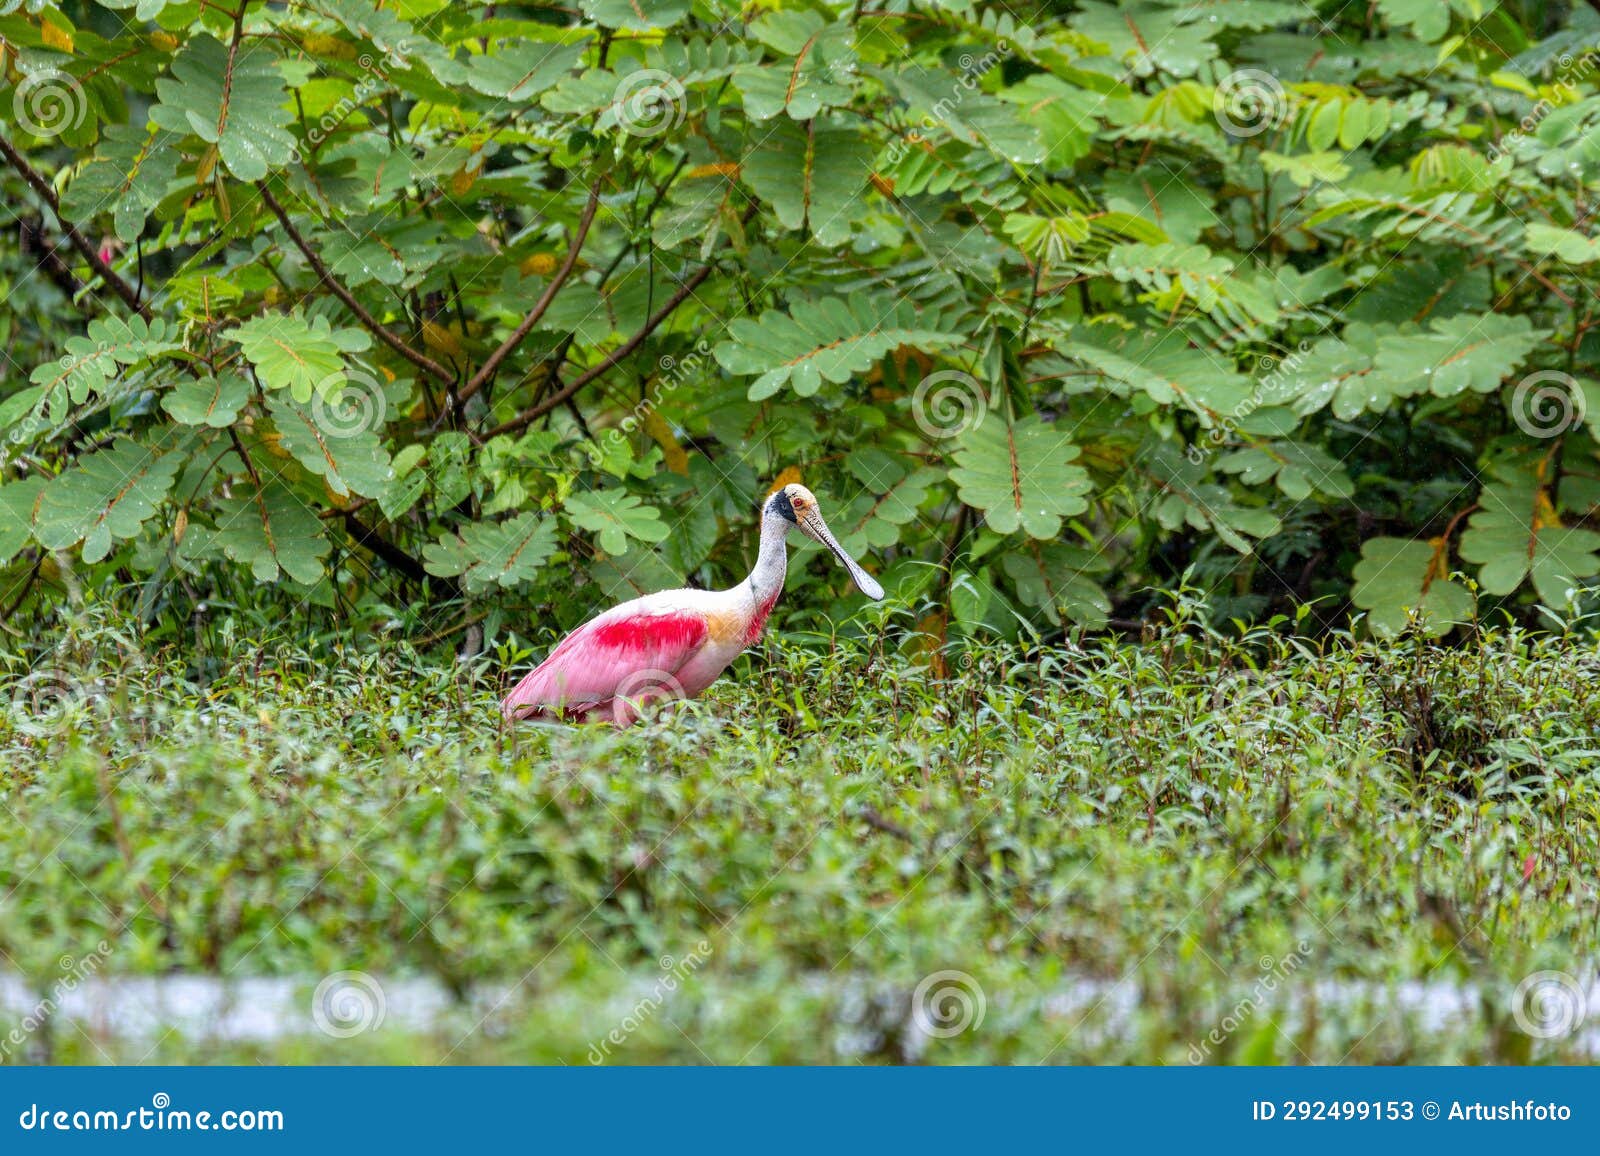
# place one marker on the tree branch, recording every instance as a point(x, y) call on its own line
point(365, 535)
point(38, 184)
point(528, 416)
point(490, 366)
point(387, 336)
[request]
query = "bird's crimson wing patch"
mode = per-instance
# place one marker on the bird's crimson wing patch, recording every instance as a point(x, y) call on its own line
point(607, 657)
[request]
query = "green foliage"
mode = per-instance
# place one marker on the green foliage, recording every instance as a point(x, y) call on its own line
point(106, 499)
point(231, 98)
point(1407, 584)
point(1020, 474)
point(836, 820)
point(1245, 293)
point(829, 340)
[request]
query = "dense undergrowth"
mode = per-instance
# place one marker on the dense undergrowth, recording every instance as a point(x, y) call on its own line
point(828, 827)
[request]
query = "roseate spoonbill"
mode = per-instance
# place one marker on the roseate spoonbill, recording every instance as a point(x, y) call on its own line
point(674, 644)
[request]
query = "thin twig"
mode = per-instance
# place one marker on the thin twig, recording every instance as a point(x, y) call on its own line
point(559, 398)
point(38, 184)
point(509, 345)
point(383, 333)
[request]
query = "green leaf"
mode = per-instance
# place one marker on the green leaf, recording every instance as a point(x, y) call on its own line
point(304, 357)
point(1405, 583)
point(522, 69)
point(1459, 353)
point(1144, 37)
point(816, 76)
point(1300, 469)
point(828, 339)
point(1516, 534)
point(350, 458)
point(636, 15)
point(487, 554)
point(1308, 169)
point(91, 362)
point(209, 401)
point(269, 530)
point(1020, 475)
point(232, 98)
point(1571, 247)
point(1053, 577)
point(17, 503)
point(813, 176)
point(1168, 366)
point(128, 177)
point(1185, 498)
point(1367, 367)
point(105, 497)
point(614, 517)
point(1063, 116)
point(876, 518)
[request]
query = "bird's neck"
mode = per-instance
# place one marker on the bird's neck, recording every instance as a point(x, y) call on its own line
point(772, 563)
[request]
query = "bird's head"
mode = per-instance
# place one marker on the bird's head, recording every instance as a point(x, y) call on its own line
point(797, 506)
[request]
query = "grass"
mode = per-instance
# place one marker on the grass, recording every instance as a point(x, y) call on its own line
point(1115, 844)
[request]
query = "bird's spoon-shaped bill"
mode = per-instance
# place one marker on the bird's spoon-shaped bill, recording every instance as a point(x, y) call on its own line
point(815, 528)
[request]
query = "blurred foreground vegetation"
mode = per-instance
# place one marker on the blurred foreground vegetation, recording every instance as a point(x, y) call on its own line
point(834, 825)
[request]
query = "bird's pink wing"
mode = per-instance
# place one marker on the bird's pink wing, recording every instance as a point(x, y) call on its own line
point(627, 654)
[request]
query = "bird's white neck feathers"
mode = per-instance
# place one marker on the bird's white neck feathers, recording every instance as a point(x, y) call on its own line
point(772, 563)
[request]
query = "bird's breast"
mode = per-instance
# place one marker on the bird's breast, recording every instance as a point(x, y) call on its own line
point(739, 626)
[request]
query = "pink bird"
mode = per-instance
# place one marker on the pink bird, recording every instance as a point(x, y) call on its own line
point(674, 644)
